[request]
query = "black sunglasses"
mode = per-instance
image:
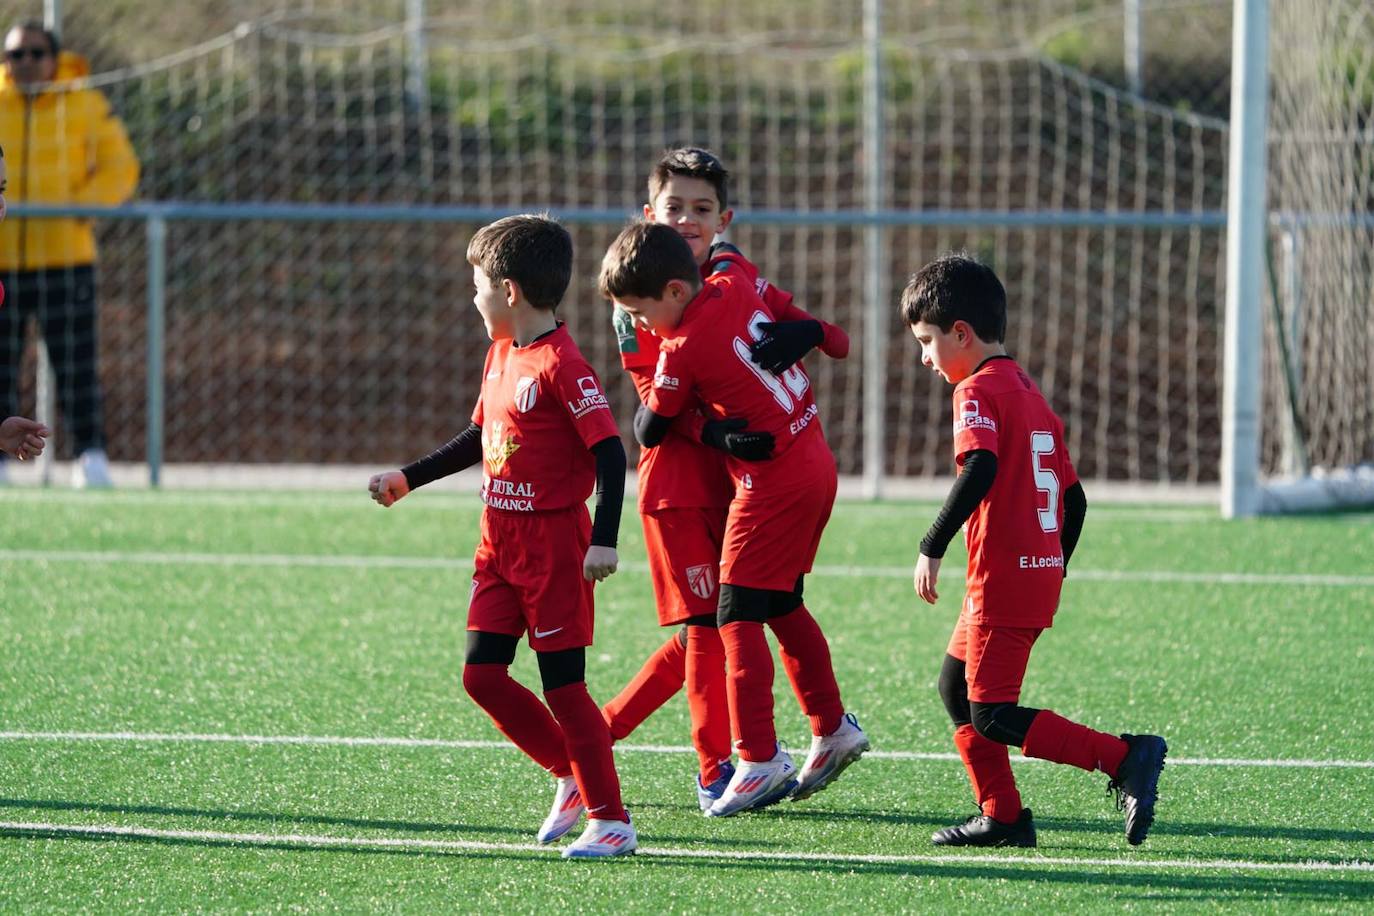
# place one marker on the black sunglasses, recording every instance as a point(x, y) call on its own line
point(30, 53)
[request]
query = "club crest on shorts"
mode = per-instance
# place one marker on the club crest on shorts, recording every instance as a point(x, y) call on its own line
point(526, 391)
point(701, 580)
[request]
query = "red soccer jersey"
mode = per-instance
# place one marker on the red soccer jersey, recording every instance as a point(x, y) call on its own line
point(1015, 562)
point(707, 358)
point(541, 409)
point(682, 472)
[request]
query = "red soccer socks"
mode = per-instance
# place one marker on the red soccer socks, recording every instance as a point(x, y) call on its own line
point(707, 700)
point(655, 684)
point(806, 658)
point(749, 685)
point(989, 771)
point(518, 715)
point(1052, 737)
point(589, 748)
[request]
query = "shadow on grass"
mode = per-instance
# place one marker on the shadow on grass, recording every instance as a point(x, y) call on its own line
point(1134, 884)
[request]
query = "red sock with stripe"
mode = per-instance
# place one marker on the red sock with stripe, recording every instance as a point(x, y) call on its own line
point(989, 770)
point(589, 748)
point(655, 684)
point(749, 685)
point(1052, 737)
point(806, 659)
point(518, 715)
point(708, 700)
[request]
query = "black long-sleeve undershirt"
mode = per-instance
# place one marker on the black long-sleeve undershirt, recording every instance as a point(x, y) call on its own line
point(650, 428)
point(610, 490)
point(465, 449)
point(973, 483)
point(1075, 510)
point(457, 454)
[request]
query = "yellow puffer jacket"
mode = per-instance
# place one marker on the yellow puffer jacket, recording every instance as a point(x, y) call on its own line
point(63, 146)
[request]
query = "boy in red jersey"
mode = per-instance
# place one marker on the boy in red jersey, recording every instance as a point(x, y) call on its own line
point(1024, 505)
point(776, 514)
point(544, 431)
point(684, 488)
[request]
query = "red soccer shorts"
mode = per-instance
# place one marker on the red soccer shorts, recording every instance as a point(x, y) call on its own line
point(528, 576)
point(994, 658)
point(777, 516)
point(683, 546)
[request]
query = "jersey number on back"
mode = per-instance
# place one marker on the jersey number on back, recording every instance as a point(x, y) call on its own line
point(1046, 481)
point(786, 389)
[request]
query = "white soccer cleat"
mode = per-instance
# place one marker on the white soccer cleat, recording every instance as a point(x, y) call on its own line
point(757, 785)
point(830, 754)
point(603, 839)
point(92, 469)
point(567, 808)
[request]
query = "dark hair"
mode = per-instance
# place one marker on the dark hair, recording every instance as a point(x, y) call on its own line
point(531, 249)
point(954, 288)
point(33, 25)
point(643, 258)
point(689, 162)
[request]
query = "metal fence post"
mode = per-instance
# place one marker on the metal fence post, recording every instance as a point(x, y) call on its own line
point(157, 327)
point(875, 260)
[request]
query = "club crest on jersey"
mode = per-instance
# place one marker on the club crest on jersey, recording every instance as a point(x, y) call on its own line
point(970, 418)
point(497, 446)
point(526, 392)
point(592, 398)
point(701, 580)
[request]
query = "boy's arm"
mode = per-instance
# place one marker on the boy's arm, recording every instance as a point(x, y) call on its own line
point(794, 332)
point(601, 559)
point(457, 454)
point(1075, 510)
point(974, 482)
point(462, 451)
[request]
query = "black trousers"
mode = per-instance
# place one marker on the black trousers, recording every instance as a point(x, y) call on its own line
point(62, 299)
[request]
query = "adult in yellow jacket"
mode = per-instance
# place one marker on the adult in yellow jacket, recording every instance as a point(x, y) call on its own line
point(62, 145)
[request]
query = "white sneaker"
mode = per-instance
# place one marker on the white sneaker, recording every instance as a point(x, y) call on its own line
point(830, 754)
point(567, 808)
point(757, 785)
point(92, 469)
point(602, 839)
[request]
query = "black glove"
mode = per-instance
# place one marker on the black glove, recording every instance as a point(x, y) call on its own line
point(718, 249)
point(729, 435)
point(785, 342)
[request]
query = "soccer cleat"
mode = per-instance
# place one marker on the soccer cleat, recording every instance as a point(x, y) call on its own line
point(603, 839)
point(1137, 783)
point(981, 830)
point(92, 469)
point(567, 808)
point(709, 795)
point(830, 754)
point(756, 785)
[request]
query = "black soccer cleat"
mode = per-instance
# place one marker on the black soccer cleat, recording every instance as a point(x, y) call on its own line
point(1137, 783)
point(981, 830)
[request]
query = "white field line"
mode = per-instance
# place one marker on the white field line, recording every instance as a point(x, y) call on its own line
point(349, 741)
point(1007, 861)
point(448, 563)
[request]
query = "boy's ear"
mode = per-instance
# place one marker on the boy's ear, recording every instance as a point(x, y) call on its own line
point(963, 332)
point(725, 217)
point(513, 292)
point(648, 213)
